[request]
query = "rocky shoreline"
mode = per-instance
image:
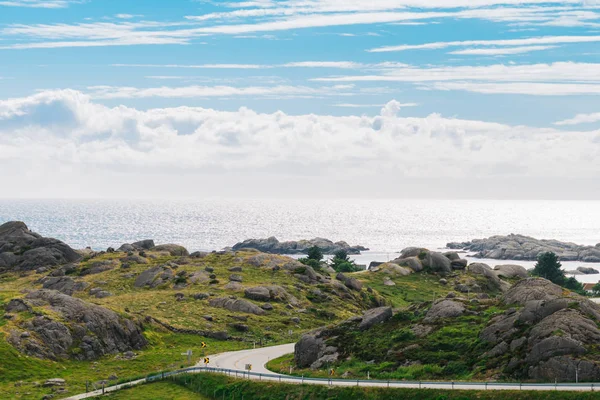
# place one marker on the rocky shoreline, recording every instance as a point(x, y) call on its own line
point(273, 246)
point(520, 247)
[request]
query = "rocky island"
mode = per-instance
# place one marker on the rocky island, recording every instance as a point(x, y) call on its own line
point(519, 247)
point(274, 246)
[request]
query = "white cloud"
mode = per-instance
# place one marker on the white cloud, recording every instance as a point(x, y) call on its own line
point(65, 136)
point(528, 88)
point(498, 51)
point(352, 105)
point(544, 40)
point(39, 3)
point(580, 119)
point(113, 92)
point(323, 64)
point(562, 78)
point(126, 16)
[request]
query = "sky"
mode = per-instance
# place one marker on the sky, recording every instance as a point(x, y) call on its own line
point(300, 98)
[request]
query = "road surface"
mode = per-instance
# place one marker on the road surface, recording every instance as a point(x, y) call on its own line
point(234, 364)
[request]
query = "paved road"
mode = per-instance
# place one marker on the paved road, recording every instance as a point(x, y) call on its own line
point(235, 362)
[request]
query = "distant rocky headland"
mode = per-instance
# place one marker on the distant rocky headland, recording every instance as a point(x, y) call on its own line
point(274, 246)
point(519, 247)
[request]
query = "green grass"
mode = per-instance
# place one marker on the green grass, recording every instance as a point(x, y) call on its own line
point(218, 387)
point(156, 391)
point(21, 376)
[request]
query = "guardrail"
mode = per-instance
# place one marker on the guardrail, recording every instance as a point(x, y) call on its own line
point(350, 382)
point(383, 383)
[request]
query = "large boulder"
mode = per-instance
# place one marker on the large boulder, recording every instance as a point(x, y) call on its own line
point(154, 277)
point(511, 271)
point(63, 284)
point(392, 269)
point(307, 350)
point(444, 309)
point(173, 249)
point(259, 293)
point(437, 262)
point(351, 283)
point(274, 246)
point(84, 331)
point(532, 289)
point(375, 316)
point(137, 246)
point(491, 282)
point(237, 305)
point(270, 293)
point(410, 262)
point(588, 271)
point(24, 250)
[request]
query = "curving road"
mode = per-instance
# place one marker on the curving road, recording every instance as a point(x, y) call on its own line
point(234, 364)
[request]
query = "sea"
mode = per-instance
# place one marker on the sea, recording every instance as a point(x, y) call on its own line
point(385, 226)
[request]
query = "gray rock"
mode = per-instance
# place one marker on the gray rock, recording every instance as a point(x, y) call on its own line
point(411, 262)
point(141, 245)
point(234, 286)
point(459, 264)
point(375, 316)
point(63, 284)
point(235, 278)
point(259, 293)
point(532, 289)
point(511, 271)
point(201, 296)
point(444, 309)
point(388, 282)
point(493, 282)
point(267, 307)
point(325, 360)
point(412, 252)
point(307, 350)
point(274, 246)
point(436, 262)
point(588, 271)
point(452, 255)
point(154, 277)
point(54, 382)
point(17, 306)
point(351, 283)
point(565, 369)
point(270, 293)
point(173, 249)
point(235, 269)
point(93, 331)
point(24, 250)
point(238, 305)
point(519, 247)
point(98, 267)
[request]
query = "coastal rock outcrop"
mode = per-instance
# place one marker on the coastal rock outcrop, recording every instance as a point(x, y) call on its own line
point(24, 250)
point(274, 246)
point(239, 305)
point(520, 247)
point(418, 259)
point(83, 331)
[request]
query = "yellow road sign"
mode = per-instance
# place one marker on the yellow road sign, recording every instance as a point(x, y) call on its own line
point(206, 360)
point(332, 372)
point(203, 345)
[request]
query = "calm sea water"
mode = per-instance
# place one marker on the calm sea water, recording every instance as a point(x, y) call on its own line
point(382, 225)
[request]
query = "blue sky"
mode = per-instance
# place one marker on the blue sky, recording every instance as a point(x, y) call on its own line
point(530, 67)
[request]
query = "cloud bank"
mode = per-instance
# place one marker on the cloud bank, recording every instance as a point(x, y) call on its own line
point(71, 144)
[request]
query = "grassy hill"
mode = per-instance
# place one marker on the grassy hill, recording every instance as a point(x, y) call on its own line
point(173, 304)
